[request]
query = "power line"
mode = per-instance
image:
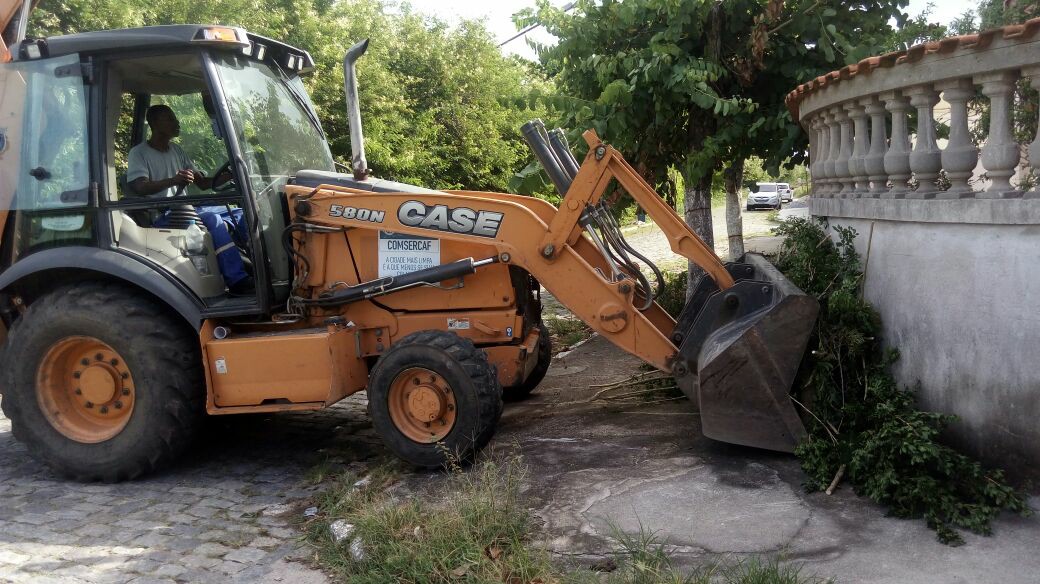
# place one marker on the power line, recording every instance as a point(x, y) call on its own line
point(566, 8)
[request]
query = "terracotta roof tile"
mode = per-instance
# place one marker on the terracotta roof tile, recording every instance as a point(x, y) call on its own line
point(1024, 31)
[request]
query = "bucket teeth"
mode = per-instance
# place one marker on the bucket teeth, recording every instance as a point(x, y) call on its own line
point(742, 352)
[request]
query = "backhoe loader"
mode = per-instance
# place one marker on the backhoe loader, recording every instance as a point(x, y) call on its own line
point(121, 332)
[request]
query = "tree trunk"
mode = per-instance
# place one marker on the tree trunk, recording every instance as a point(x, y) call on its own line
point(734, 176)
point(698, 217)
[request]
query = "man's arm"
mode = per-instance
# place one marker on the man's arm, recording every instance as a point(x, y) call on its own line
point(143, 186)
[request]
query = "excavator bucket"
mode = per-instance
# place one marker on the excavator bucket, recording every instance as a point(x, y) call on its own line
point(741, 335)
point(739, 351)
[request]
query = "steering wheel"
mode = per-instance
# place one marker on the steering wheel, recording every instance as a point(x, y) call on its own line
point(230, 184)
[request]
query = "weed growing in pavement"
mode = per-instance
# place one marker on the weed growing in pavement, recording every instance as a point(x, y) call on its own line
point(566, 332)
point(474, 530)
point(860, 422)
point(642, 559)
point(318, 473)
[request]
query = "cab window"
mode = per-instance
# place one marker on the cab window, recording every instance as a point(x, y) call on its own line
point(44, 159)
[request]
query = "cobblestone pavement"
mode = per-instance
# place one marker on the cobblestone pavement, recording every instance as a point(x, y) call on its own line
point(225, 512)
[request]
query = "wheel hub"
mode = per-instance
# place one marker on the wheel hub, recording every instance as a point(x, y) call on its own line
point(422, 405)
point(98, 384)
point(85, 389)
point(426, 404)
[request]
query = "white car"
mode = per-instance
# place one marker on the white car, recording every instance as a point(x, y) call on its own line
point(764, 196)
point(786, 194)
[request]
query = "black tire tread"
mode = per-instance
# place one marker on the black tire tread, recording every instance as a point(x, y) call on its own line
point(149, 324)
point(481, 372)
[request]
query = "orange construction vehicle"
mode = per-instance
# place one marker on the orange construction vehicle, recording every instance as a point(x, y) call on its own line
point(122, 330)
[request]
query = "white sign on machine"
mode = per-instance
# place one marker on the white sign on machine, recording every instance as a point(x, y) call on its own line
point(400, 253)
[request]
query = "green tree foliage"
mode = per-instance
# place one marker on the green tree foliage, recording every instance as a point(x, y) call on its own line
point(441, 106)
point(860, 422)
point(915, 30)
point(695, 84)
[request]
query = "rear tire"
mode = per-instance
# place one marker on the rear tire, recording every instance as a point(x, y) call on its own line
point(147, 362)
point(523, 389)
point(434, 398)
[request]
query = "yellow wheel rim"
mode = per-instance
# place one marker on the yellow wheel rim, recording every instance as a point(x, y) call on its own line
point(422, 405)
point(85, 389)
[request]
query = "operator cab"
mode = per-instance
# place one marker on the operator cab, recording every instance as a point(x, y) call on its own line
point(241, 107)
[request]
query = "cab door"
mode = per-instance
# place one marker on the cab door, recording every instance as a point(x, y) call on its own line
point(46, 194)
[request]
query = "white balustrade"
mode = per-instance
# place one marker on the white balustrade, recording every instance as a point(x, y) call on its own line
point(860, 146)
point(875, 160)
point(960, 157)
point(897, 158)
point(858, 119)
point(1033, 74)
point(1000, 152)
point(831, 169)
point(842, 170)
point(925, 158)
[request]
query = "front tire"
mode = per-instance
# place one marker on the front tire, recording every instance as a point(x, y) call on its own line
point(102, 384)
point(434, 398)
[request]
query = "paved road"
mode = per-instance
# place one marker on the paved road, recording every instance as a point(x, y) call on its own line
point(225, 513)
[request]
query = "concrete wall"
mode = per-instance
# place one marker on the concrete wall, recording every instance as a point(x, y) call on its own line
point(957, 284)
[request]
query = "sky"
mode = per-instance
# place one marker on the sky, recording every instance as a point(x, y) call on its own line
point(498, 15)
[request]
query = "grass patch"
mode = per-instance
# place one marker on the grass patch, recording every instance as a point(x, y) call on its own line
point(566, 331)
point(642, 559)
point(318, 473)
point(476, 531)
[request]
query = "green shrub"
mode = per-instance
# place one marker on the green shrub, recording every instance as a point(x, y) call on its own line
point(673, 297)
point(858, 417)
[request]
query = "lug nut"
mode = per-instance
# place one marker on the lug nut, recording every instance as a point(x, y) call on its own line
point(118, 405)
point(114, 362)
point(104, 409)
point(126, 375)
point(126, 391)
point(85, 361)
point(89, 404)
point(99, 357)
point(79, 391)
point(76, 375)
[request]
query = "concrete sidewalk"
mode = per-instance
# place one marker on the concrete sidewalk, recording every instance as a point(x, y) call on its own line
point(593, 466)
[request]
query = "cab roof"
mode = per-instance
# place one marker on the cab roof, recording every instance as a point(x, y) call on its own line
point(173, 36)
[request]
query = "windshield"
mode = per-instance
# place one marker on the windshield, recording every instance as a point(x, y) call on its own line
point(767, 188)
point(277, 133)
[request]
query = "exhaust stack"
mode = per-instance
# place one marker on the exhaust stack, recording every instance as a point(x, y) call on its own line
point(357, 139)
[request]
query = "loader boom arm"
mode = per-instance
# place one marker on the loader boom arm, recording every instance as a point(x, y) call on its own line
point(531, 234)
